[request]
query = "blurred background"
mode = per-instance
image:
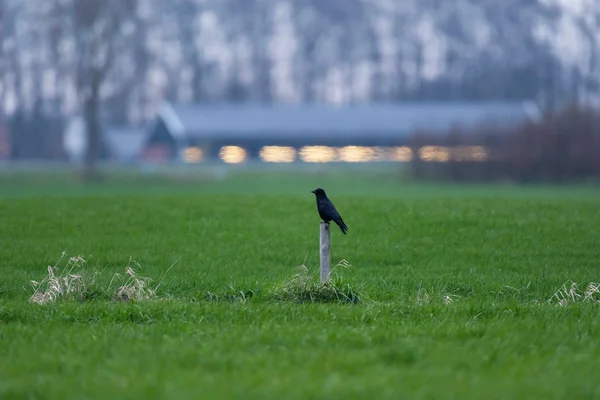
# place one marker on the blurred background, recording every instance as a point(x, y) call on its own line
point(460, 90)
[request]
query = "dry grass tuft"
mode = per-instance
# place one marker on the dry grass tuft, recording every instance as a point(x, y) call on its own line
point(422, 296)
point(304, 287)
point(75, 281)
point(449, 299)
point(135, 287)
point(570, 292)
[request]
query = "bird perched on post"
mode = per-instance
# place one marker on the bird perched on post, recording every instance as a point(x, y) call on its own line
point(327, 211)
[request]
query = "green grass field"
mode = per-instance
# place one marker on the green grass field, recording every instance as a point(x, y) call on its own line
point(454, 283)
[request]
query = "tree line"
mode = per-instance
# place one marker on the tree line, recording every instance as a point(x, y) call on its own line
point(116, 60)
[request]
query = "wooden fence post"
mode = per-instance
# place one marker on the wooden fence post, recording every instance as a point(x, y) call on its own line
point(325, 249)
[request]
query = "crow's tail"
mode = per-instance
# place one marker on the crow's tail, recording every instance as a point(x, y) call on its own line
point(342, 225)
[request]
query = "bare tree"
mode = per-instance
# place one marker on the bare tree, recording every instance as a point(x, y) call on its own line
point(6, 33)
point(185, 13)
point(122, 57)
point(589, 24)
point(98, 33)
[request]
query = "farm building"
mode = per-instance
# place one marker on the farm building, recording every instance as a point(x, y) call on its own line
point(312, 133)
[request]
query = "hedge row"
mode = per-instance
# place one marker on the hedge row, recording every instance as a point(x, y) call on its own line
point(560, 147)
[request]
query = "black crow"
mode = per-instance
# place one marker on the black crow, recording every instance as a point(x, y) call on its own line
point(327, 211)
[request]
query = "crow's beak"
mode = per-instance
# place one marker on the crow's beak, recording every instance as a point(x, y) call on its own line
point(312, 191)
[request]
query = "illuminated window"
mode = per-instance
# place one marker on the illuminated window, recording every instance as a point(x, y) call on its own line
point(192, 154)
point(318, 154)
point(434, 153)
point(357, 154)
point(232, 154)
point(402, 154)
point(278, 154)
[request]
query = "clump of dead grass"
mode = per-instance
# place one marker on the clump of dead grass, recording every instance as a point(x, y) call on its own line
point(76, 281)
point(304, 287)
point(133, 287)
point(570, 292)
point(72, 282)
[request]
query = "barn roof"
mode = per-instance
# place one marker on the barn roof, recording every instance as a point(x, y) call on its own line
point(244, 121)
